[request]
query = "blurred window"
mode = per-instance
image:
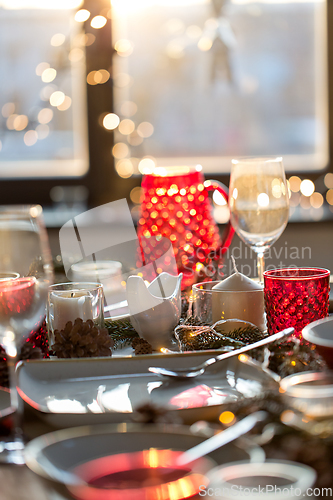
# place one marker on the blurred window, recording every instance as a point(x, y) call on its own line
point(43, 117)
point(201, 81)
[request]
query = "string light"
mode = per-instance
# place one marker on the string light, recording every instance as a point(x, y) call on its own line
point(58, 39)
point(126, 126)
point(57, 98)
point(66, 104)
point(30, 138)
point(98, 22)
point(120, 150)
point(8, 109)
point(41, 67)
point(307, 187)
point(48, 75)
point(111, 121)
point(82, 15)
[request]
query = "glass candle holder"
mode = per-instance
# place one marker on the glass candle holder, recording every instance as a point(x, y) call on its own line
point(69, 301)
point(295, 297)
point(211, 305)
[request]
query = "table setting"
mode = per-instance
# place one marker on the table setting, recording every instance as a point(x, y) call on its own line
point(137, 370)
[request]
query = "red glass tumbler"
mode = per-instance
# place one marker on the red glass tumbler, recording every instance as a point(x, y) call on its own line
point(295, 297)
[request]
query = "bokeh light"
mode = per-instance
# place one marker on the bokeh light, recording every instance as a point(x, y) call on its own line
point(218, 198)
point(135, 194)
point(49, 75)
point(66, 104)
point(221, 214)
point(41, 67)
point(316, 200)
point(30, 137)
point(146, 166)
point(58, 39)
point(294, 183)
point(8, 109)
point(98, 22)
point(145, 129)
point(126, 126)
point(120, 150)
point(20, 122)
point(10, 121)
point(82, 15)
point(42, 131)
point(205, 44)
point(125, 168)
point(329, 196)
point(328, 180)
point(57, 98)
point(227, 418)
point(307, 187)
point(111, 121)
point(123, 47)
point(101, 76)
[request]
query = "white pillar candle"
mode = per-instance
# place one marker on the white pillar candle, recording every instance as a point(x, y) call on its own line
point(70, 305)
point(239, 297)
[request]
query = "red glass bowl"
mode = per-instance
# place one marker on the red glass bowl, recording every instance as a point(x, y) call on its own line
point(320, 333)
point(295, 297)
point(143, 475)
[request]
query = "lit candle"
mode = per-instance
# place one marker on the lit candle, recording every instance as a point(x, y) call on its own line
point(69, 305)
point(239, 297)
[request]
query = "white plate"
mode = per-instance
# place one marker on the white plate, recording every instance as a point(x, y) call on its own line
point(52, 454)
point(104, 390)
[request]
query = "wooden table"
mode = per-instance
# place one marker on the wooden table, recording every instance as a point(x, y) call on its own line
point(17, 482)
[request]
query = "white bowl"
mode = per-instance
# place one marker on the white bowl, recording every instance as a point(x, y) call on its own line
point(273, 479)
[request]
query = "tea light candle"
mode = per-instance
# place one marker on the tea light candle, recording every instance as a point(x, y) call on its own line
point(239, 297)
point(67, 306)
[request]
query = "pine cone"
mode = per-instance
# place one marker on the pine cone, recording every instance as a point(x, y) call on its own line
point(143, 348)
point(82, 340)
point(28, 351)
point(137, 341)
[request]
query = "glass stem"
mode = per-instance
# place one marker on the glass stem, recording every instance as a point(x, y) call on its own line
point(15, 401)
point(261, 266)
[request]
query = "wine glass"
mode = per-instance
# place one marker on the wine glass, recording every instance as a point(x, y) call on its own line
point(26, 271)
point(259, 203)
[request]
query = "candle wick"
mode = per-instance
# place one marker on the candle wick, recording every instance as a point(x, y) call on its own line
point(72, 294)
point(234, 264)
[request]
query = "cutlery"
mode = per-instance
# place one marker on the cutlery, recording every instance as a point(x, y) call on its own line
point(196, 371)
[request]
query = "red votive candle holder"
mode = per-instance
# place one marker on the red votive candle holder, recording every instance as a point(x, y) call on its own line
point(295, 297)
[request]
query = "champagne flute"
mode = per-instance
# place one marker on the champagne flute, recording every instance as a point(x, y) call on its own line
point(26, 271)
point(259, 203)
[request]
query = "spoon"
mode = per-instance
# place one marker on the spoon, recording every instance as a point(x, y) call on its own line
point(224, 437)
point(200, 369)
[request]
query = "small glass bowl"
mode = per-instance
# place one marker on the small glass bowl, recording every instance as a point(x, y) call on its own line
point(320, 333)
point(310, 393)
